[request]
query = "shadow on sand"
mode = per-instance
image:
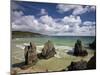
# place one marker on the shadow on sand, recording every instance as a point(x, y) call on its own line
point(18, 64)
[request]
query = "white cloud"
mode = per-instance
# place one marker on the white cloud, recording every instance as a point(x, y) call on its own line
point(93, 8)
point(88, 23)
point(68, 25)
point(76, 9)
point(47, 20)
point(16, 15)
point(87, 30)
point(80, 10)
point(43, 12)
point(25, 23)
point(64, 8)
point(72, 19)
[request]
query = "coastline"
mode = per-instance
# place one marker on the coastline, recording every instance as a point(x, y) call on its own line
point(57, 63)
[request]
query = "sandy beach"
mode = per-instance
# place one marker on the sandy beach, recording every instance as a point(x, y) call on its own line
point(57, 63)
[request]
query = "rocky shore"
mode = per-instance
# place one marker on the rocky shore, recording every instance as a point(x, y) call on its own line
point(50, 57)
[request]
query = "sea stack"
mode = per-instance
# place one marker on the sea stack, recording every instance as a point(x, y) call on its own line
point(49, 50)
point(30, 54)
point(78, 50)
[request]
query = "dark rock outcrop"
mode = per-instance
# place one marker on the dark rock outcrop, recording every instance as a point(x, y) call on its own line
point(80, 65)
point(48, 51)
point(92, 62)
point(93, 44)
point(78, 50)
point(13, 72)
point(30, 54)
point(83, 65)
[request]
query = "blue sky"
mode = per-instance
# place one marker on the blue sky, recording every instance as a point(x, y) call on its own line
point(54, 19)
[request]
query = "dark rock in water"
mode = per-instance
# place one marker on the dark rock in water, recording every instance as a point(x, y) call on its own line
point(92, 62)
point(78, 47)
point(80, 65)
point(93, 44)
point(48, 51)
point(78, 50)
point(30, 54)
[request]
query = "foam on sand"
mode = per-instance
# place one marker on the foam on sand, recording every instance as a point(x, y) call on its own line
point(20, 46)
point(26, 44)
point(60, 50)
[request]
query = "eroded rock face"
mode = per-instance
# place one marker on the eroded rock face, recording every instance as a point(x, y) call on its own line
point(80, 65)
point(78, 50)
point(30, 54)
point(78, 47)
point(92, 62)
point(48, 51)
point(93, 44)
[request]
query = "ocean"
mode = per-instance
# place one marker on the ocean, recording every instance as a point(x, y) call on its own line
point(57, 40)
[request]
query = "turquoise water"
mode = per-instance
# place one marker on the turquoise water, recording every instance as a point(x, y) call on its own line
point(57, 40)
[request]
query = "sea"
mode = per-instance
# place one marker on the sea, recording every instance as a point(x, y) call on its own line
point(56, 40)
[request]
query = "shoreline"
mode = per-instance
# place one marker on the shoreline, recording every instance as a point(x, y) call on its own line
point(60, 61)
point(61, 51)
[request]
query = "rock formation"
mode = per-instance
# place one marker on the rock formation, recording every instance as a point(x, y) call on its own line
point(13, 72)
point(30, 54)
point(93, 44)
point(48, 51)
point(92, 62)
point(80, 65)
point(78, 50)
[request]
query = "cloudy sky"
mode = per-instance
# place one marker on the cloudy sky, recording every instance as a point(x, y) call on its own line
point(53, 19)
